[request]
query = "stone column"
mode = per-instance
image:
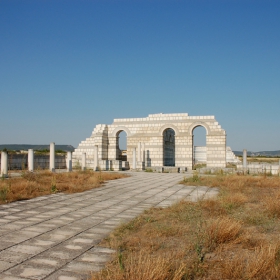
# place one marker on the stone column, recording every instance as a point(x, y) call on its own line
point(30, 160)
point(4, 164)
point(143, 153)
point(244, 158)
point(52, 157)
point(95, 158)
point(139, 151)
point(69, 161)
point(134, 158)
point(84, 155)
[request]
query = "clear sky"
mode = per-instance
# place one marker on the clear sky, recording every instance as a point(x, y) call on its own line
point(67, 65)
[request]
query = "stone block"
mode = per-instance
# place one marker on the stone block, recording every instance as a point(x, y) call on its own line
point(104, 165)
point(170, 169)
point(116, 165)
point(183, 169)
point(125, 165)
point(140, 165)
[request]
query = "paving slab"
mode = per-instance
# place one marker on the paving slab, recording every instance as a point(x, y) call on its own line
point(57, 236)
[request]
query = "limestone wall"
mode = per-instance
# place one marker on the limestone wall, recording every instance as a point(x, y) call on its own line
point(260, 168)
point(149, 132)
point(200, 155)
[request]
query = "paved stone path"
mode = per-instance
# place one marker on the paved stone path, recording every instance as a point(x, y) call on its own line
point(56, 236)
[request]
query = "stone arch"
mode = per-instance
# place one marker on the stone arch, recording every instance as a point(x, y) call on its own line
point(115, 153)
point(150, 131)
point(118, 129)
point(168, 147)
point(167, 126)
point(204, 148)
point(196, 124)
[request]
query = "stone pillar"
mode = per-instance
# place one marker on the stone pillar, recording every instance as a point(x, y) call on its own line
point(95, 158)
point(84, 155)
point(30, 160)
point(143, 153)
point(139, 151)
point(69, 161)
point(52, 157)
point(244, 158)
point(4, 164)
point(134, 158)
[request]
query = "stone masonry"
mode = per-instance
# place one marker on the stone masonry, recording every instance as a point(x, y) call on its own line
point(159, 140)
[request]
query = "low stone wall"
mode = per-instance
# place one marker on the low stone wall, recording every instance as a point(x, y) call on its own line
point(20, 162)
point(264, 168)
point(205, 170)
point(260, 168)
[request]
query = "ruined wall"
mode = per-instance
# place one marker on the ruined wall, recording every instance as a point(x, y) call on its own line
point(149, 132)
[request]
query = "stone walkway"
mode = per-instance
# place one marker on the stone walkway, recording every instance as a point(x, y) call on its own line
point(57, 236)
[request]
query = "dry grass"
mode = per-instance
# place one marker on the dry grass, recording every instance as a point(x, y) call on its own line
point(221, 230)
point(155, 268)
point(262, 159)
point(261, 263)
point(34, 184)
point(235, 236)
point(272, 203)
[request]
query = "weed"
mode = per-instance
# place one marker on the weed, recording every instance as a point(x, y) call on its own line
point(120, 259)
point(195, 177)
point(54, 189)
point(199, 165)
point(100, 176)
point(53, 185)
point(148, 170)
point(4, 190)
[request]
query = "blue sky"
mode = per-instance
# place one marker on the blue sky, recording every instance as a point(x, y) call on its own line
point(66, 66)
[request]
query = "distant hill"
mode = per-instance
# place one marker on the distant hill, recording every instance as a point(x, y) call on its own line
point(262, 153)
point(16, 147)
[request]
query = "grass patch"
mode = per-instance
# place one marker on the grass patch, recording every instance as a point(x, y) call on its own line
point(34, 184)
point(149, 170)
point(235, 236)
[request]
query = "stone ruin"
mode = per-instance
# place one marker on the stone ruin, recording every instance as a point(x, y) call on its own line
point(155, 141)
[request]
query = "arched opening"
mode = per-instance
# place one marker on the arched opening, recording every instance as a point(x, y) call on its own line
point(199, 146)
point(122, 145)
point(169, 147)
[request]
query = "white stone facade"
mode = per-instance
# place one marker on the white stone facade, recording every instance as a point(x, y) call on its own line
point(159, 139)
point(200, 155)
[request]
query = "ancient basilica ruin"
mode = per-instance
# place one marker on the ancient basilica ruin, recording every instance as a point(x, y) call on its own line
point(155, 141)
